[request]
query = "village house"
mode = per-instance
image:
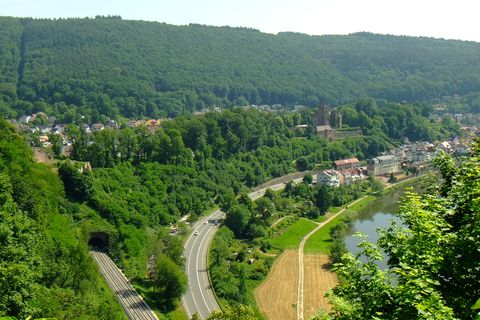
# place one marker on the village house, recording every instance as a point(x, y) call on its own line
point(445, 146)
point(59, 128)
point(346, 164)
point(86, 128)
point(461, 149)
point(96, 127)
point(330, 178)
point(352, 175)
point(25, 119)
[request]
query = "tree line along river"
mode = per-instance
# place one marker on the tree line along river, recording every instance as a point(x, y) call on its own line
point(377, 214)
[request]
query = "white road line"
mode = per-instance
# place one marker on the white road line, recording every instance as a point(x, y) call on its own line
point(195, 273)
point(198, 274)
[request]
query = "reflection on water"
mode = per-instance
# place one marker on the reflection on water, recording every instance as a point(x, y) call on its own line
point(378, 214)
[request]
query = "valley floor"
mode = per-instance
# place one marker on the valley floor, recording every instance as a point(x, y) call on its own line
point(277, 296)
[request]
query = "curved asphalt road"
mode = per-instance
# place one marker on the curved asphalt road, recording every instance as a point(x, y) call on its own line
point(199, 297)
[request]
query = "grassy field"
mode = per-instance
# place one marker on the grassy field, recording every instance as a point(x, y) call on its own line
point(291, 237)
point(320, 242)
point(320, 219)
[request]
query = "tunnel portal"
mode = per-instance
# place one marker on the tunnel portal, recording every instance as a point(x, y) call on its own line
point(98, 240)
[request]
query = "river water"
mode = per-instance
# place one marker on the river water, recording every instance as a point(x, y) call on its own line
point(378, 214)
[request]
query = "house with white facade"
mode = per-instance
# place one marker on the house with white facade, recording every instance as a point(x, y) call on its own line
point(352, 175)
point(330, 178)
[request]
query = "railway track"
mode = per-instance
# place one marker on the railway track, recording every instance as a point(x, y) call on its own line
point(133, 304)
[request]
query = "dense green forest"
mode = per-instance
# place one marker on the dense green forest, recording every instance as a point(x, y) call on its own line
point(109, 67)
point(45, 269)
point(88, 70)
point(143, 179)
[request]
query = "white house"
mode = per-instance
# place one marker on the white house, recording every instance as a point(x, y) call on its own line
point(352, 175)
point(329, 178)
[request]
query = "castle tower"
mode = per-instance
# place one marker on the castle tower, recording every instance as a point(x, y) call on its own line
point(336, 119)
point(321, 117)
point(339, 120)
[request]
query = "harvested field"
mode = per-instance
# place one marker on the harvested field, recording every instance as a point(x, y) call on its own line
point(318, 279)
point(277, 295)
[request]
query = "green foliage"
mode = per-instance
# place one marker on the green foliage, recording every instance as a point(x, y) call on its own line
point(169, 280)
point(77, 184)
point(236, 267)
point(240, 312)
point(92, 68)
point(392, 178)
point(308, 179)
point(45, 269)
point(302, 164)
point(323, 199)
point(237, 220)
point(433, 256)
point(476, 305)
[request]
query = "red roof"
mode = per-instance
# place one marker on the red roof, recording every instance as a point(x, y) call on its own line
point(345, 162)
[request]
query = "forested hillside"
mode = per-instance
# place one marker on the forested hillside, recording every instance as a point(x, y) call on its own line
point(45, 269)
point(107, 66)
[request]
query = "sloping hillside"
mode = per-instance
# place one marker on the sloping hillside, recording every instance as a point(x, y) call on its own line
point(90, 67)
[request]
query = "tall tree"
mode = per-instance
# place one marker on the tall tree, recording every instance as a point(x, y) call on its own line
point(169, 280)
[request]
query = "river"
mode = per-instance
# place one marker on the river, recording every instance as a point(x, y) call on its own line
point(378, 214)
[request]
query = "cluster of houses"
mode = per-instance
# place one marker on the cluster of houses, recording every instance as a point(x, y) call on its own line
point(151, 124)
point(44, 126)
point(416, 155)
point(344, 172)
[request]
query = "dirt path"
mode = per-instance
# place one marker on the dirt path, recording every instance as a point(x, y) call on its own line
point(301, 271)
point(276, 222)
point(276, 296)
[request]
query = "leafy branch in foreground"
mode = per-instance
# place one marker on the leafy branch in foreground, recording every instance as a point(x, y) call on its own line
point(434, 257)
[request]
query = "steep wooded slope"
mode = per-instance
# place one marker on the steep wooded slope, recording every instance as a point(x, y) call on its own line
point(110, 66)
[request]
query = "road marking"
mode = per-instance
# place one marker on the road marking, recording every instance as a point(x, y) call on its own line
point(193, 241)
point(198, 274)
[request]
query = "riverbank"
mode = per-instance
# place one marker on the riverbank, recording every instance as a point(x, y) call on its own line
point(321, 241)
point(315, 277)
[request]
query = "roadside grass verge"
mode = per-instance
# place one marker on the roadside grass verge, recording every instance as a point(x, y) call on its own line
point(292, 236)
point(175, 313)
point(209, 211)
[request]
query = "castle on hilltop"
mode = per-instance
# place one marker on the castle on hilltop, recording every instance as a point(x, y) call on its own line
point(326, 117)
point(328, 124)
